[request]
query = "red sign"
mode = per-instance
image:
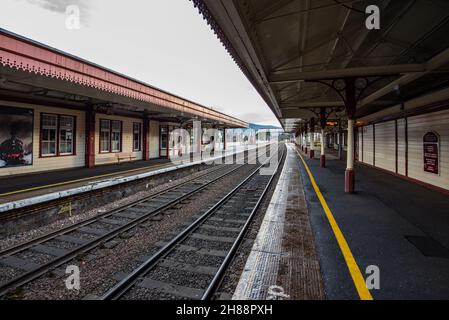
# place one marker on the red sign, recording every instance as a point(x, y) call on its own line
point(430, 145)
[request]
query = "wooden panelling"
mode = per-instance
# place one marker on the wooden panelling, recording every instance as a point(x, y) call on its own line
point(417, 127)
point(154, 139)
point(401, 146)
point(385, 154)
point(368, 144)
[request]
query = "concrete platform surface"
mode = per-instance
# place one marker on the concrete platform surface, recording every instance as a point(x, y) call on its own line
point(400, 227)
point(283, 264)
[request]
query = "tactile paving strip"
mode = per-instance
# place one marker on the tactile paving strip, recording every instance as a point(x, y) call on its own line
point(283, 263)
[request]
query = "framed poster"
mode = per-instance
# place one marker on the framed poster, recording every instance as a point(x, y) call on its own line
point(16, 137)
point(431, 146)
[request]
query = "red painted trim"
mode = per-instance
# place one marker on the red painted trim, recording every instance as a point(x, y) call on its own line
point(167, 149)
point(412, 180)
point(145, 139)
point(110, 136)
point(24, 54)
point(90, 139)
point(140, 132)
point(323, 161)
point(349, 181)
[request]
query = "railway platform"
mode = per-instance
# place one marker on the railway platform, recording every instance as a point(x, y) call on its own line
point(19, 187)
point(283, 263)
point(28, 201)
point(390, 228)
point(17, 190)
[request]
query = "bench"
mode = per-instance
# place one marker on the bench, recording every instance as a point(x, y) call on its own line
point(124, 156)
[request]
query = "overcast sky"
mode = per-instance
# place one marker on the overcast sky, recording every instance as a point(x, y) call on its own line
point(164, 43)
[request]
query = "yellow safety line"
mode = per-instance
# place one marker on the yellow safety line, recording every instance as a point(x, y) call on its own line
point(77, 180)
point(353, 268)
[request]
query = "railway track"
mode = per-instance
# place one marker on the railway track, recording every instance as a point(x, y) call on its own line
point(177, 270)
point(66, 244)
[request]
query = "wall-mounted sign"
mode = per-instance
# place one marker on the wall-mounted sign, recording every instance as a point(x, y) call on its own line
point(16, 137)
point(431, 143)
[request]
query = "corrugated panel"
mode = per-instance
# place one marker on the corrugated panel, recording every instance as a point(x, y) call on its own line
point(385, 152)
point(417, 127)
point(401, 146)
point(368, 145)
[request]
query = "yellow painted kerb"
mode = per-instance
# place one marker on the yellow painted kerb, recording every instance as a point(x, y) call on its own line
point(353, 268)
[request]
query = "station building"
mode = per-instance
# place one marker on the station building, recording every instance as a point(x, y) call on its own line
point(58, 111)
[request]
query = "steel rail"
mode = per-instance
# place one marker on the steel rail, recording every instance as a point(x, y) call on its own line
point(48, 236)
point(29, 276)
point(129, 281)
point(216, 281)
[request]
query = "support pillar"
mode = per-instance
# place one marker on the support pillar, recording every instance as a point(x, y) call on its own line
point(224, 139)
point(349, 174)
point(197, 140)
point(305, 138)
point(323, 127)
point(351, 103)
point(90, 138)
point(322, 155)
point(145, 139)
point(312, 138)
point(340, 138)
point(168, 142)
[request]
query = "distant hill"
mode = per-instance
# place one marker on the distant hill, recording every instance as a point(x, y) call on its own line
point(262, 126)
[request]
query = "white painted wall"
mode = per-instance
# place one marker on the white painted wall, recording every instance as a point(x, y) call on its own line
point(385, 156)
point(417, 127)
point(127, 139)
point(368, 144)
point(401, 146)
point(154, 139)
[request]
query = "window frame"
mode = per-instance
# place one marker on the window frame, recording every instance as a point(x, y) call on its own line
point(58, 135)
point(100, 150)
point(110, 136)
point(139, 124)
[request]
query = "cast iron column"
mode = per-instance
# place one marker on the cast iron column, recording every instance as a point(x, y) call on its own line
point(312, 138)
point(351, 103)
point(323, 127)
point(90, 137)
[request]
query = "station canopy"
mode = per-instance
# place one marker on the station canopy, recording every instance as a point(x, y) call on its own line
point(297, 52)
point(34, 73)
